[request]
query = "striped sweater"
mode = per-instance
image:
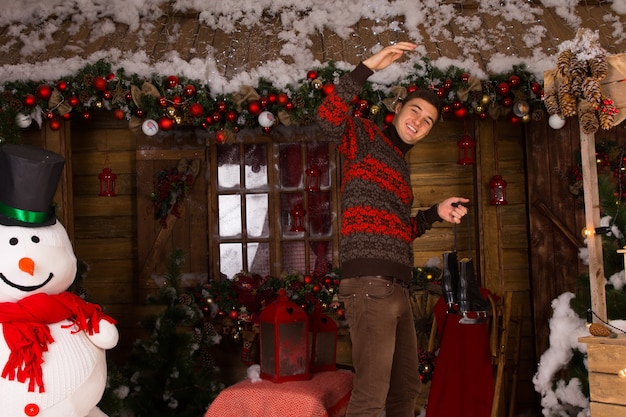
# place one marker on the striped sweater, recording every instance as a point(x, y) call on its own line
point(377, 229)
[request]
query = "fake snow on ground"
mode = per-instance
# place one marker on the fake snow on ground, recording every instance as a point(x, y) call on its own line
point(35, 23)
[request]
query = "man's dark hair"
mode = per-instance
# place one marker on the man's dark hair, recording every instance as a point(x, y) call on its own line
point(428, 95)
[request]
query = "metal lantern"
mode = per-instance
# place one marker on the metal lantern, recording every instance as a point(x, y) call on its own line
point(466, 150)
point(107, 180)
point(284, 343)
point(323, 338)
point(498, 187)
point(313, 177)
point(297, 218)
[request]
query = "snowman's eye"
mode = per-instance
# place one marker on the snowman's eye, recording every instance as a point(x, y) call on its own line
point(13, 241)
point(35, 239)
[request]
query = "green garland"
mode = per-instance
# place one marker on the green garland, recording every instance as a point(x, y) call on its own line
point(176, 101)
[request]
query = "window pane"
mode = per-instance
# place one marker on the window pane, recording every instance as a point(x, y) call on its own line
point(317, 155)
point(229, 215)
point(231, 259)
point(257, 215)
point(259, 258)
point(256, 166)
point(291, 165)
point(228, 166)
point(319, 214)
point(293, 257)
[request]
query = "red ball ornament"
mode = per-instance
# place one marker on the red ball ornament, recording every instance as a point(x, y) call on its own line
point(535, 87)
point(161, 102)
point(282, 99)
point(289, 106)
point(460, 113)
point(220, 137)
point(483, 116)
point(267, 129)
point(189, 90)
point(216, 116)
point(66, 116)
point(263, 101)
point(254, 107)
point(30, 100)
point(165, 123)
point(140, 113)
point(196, 110)
point(357, 113)
point(308, 279)
point(503, 88)
point(44, 92)
point(363, 105)
point(328, 88)
point(62, 85)
point(171, 81)
point(73, 101)
point(177, 100)
point(100, 83)
point(119, 114)
point(311, 75)
point(440, 92)
point(128, 96)
point(107, 95)
point(507, 101)
point(465, 77)
point(221, 106)
point(447, 84)
point(388, 119)
point(86, 115)
point(233, 314)
point(231, 116)
point(49, 115)
point(411, 88)
point(515, 119)
point(54, 124)
point(457, 104)
point(209, 119)
point(110, 76)
point(514, 81)
point(272, 97)
point(446, 108)
point(316, 288)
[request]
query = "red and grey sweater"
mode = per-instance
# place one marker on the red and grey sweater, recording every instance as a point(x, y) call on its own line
point(377, 229)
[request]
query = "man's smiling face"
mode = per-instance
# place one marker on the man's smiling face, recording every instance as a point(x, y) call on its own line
point(414, 119)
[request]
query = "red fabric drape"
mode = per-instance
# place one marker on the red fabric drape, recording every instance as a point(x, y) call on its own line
point(462, 383)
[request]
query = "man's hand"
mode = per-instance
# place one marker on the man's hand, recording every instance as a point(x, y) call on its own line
point(386, 56)
point(452, 209)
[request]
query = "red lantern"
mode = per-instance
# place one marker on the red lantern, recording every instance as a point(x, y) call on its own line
point(323, 338)
point(107, 180)
point(498, 187)
point(297, 218)
point(313, 175)
point(284, 345)
point(466, 150)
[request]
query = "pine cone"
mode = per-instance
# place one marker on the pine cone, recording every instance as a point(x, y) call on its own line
point(592, 91)
point(589, 122)
point(567, 101)
point(599, 67)
point(600, 330)
point(607, 119)
point(577, 87)
point(577, 67)
point(563, 62)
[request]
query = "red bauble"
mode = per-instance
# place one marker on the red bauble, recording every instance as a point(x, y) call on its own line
point(457, 104)
point(289, 106)
point(465, 77)
point(282, 99)
point(483, 116)
point(389, 118)
point(107, 95)
point(447, 84)
point(162, 102)
point(272, 97)
point(128, 96)
point(311, 75)
point(110, 76)
point(171, 81)
point(177, 100)
point(189, 90)
point(140, 113)
point(507, 101)
point(515, 119)
point(221, 106)
point(267, 129)
point(254, 107)
point(209, 119)
point(165, 123)
point(44, 92)
point(363, 105)
point(514, 81)
point(216, 116)
point(220, 136)
point(100, 83)
point(196, 110)
point(119, 114)
point(73, 101)
point(231, 116)
point(62, 85)
point(535, 87)
point(86, 115)
point(357, 113)
point(49, 115)
point(30, 100)
point(316, 288)
point(67, 116)
point(460, 113)
point(263, 101)
point(308, 279)
point(54, 124)
point(328, 88)
point(503, 88)
point(446, 108)
point(233, 314)
point(411, 88)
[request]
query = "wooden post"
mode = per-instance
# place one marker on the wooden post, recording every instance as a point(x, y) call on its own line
point(592, 220)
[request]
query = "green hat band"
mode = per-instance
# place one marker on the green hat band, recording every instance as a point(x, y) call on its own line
point(23, 215)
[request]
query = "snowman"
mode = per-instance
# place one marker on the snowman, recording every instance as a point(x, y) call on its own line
point(52, 342)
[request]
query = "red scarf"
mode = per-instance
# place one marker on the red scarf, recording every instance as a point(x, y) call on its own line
point(26, 331)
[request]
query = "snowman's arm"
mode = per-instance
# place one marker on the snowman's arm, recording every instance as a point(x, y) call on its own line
point(107, 337)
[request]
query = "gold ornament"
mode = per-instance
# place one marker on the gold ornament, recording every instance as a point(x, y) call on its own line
point(479, 109)
point(485, 100)
point(98, 104)
point(374, 109)
point(171, 112)
point(317, 83)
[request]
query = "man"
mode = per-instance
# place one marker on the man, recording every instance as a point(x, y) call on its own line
point(377, 231)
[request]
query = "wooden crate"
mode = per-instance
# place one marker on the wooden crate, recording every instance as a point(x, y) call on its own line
point(606, 357)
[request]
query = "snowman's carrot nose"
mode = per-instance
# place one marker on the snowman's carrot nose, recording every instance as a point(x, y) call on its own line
point(27, 265)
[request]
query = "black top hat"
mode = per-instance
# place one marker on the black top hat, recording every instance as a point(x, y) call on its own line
point(29, 177)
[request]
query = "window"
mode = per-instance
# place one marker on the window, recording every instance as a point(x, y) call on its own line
point(276, 207)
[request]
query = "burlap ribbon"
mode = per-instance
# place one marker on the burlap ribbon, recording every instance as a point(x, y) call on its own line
point(473, 84)
point(186, 166)
point(57, 102)
point(614, 85)
point(398, 93)
point(245, 95)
